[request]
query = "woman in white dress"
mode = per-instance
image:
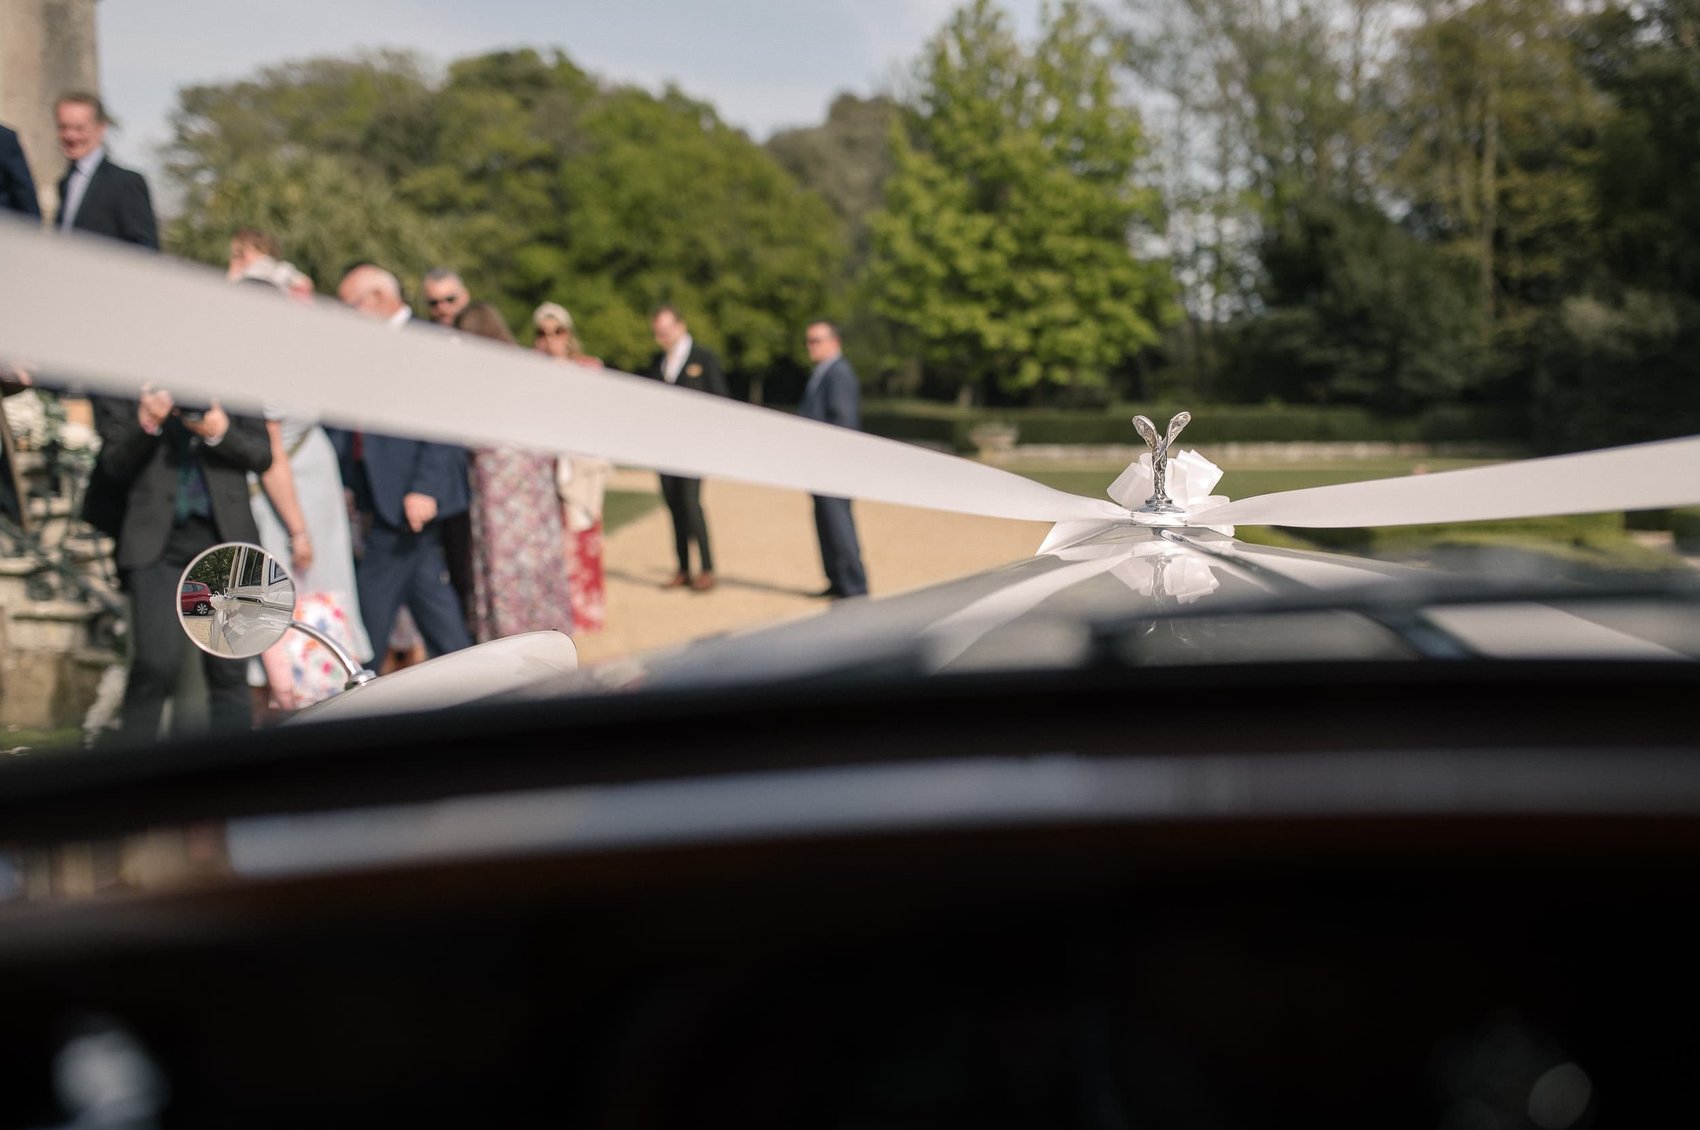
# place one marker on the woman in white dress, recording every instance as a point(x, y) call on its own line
point(302, 515)
point(303, 518)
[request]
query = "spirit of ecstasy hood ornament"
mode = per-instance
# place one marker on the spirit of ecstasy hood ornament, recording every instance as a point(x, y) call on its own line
point(1160, 502)
point(1166, 487)
point(1160, 488)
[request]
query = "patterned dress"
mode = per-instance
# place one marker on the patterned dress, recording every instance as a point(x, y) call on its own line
point(329, 583)
point(315, 671)
point(519, 569)
point(581, 482)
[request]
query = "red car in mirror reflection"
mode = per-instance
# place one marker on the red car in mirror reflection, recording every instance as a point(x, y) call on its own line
point(195, 600)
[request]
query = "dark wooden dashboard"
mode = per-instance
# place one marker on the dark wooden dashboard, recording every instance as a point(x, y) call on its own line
point(1398, 898)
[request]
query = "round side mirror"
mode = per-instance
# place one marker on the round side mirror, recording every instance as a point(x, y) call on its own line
point(236, 600)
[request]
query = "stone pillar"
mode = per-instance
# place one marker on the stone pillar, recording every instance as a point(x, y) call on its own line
point(46, 48)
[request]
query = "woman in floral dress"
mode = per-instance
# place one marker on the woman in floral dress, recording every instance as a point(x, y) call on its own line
point(581, 481)
point(519, 570)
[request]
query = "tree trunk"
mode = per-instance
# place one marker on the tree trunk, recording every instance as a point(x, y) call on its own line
point(1490, 202)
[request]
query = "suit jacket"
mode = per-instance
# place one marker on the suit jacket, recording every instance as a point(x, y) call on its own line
point(133, 491)
point(701, 370)
point(393, 467)
point(836, 398)
point(17, 187)
point(116, 204)
point(9, 456)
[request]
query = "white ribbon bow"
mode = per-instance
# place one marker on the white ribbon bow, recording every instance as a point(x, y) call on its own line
point(1190, 479)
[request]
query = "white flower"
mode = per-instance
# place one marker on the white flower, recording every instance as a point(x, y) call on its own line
point(27, 416)
point(74, 436)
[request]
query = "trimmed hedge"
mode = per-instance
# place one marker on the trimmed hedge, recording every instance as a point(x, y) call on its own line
point(949, 426)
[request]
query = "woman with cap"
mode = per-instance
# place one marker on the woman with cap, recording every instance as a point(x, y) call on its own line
point(580, 481)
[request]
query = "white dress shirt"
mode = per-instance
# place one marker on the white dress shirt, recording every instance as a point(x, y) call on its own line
point(675, 361)
point(81, 173)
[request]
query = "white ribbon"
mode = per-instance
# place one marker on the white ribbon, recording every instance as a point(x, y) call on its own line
point(183, 326)
point(1140, 559)
point(1645, 476)
point(1165, 571)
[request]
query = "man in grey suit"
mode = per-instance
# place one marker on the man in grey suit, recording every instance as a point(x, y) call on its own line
point(833, 396)
point(96, 195)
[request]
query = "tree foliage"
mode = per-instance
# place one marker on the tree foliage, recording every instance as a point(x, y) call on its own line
point(1004, 248)
point(532, 179)
point(1366, 202)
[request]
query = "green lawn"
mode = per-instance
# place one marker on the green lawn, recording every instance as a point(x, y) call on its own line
point(622, 506)
point(22, 740)
point(1245, 481)
point(1588, 543)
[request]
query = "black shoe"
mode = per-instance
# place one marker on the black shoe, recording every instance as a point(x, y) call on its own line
point(828, 593)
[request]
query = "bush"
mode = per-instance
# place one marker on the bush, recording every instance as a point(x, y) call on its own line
point(949, 426)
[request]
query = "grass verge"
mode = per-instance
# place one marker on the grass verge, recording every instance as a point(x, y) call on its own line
point(1565, 545)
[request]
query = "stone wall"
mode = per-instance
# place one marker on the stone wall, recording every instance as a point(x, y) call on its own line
point(61, 618)
point(46, 48)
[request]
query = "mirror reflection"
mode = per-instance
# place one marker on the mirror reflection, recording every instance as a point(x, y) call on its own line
point(236, 600)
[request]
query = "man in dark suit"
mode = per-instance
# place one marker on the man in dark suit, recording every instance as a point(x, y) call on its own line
point(171, 482)
point(17, 187)
point(96, 195)
point(406, 488)
point(834, 396)
point(684, 363)
point(14, 498)
point(17, 194)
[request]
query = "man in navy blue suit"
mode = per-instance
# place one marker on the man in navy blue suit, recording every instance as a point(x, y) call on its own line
point(17, 187)
point(834, 396)
point(407, 487)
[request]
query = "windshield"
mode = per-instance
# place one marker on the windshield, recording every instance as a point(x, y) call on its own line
point(1000, 563)
point(427, 499)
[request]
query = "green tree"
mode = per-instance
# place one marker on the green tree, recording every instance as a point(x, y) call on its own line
point(672, 205)
point(1004, 249)
point(213, 568)
point(1615, 363)
point(846, 159)
point(326, 213)
point(1274, 117)
point(1358, 311)
point(368, 110)
point(530, 177)
point(1499, 148)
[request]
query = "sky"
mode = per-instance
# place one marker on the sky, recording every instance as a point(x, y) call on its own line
point(763, 64)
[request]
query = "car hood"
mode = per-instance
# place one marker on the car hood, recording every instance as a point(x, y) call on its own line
point(1126, 594)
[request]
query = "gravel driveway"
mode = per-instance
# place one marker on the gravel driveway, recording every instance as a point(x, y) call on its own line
point(768, 562)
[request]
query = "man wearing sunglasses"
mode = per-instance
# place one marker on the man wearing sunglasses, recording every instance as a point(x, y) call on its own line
point(445, 296)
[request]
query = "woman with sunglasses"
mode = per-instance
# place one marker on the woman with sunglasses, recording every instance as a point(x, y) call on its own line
point(519, 576)
point(581, 481)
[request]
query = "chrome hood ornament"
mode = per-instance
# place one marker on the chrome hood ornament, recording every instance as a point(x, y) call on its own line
point(1172, 488)
point(1160, 503)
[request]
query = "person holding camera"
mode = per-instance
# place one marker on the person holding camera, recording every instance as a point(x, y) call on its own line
point(170, 482)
